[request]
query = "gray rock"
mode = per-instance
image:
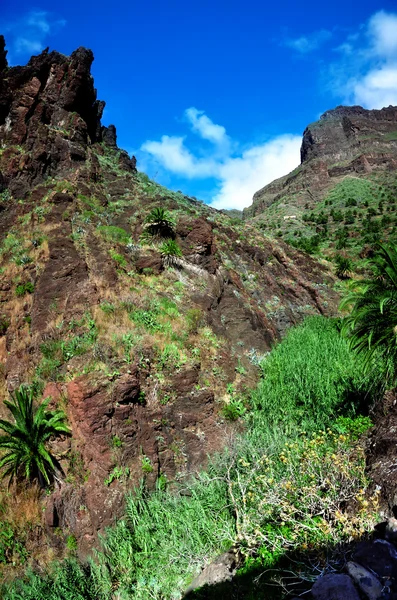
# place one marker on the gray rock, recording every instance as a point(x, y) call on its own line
point(391, 530)
point(220, 570)
point(379, 556)
point(365, 580)
point(334, 587)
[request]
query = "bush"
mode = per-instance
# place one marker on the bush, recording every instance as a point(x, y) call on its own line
point(169, 249)
point(114, 234)
point(24, 288)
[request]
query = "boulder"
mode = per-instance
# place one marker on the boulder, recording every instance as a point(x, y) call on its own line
point(334, 587)
point(365, 581)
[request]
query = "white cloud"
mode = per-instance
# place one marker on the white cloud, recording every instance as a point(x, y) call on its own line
point(367, 71)
point(378, 88)
point(382, 28)
point(206, 128)
point(28, 34)
point(172, 154)
point(308, 43)
point(242, 176)
point(237, 174)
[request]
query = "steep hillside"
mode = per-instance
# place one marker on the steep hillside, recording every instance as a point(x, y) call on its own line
point(342, 196)
point(147, 335)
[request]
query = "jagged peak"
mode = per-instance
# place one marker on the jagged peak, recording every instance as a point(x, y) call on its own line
point(3, 54)
point(50, 108)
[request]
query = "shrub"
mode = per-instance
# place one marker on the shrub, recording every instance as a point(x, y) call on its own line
point(307, 244)
point(24, 288)
point(119, 258)
point(169, 250)
point(194, 317)
point(4, 325)
point(114, 234)
point(371, 326)
point(233, 410)
point(159, 223)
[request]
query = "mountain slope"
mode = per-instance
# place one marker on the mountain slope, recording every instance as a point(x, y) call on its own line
point(344, 190)
point(150, 350)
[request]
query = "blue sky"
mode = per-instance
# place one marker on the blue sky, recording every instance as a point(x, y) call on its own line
point(213, 97)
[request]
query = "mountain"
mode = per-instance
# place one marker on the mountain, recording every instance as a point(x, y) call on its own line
point(345, 186)
point(148, 336)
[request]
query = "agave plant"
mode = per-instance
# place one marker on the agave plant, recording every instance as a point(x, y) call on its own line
point(25, 440)
point(159, 223)
point(372, 324)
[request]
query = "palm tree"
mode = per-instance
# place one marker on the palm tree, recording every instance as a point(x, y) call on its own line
point(160, 223)
point(25, 440)
point(343, 266)
point(372, 324)
point(170, 252)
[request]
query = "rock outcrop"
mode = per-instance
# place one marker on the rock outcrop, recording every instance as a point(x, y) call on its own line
point(348, 140)
point(50, 108)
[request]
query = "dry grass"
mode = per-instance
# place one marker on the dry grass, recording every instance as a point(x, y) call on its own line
point(21, 506)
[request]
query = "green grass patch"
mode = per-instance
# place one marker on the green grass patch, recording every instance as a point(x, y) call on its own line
point(284, 486)
point(114, 234)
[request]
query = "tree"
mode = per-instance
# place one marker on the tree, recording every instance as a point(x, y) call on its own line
point(25, 441)
point(170, 251)
point(372, 324)
point(159, 223)
point(343, 266)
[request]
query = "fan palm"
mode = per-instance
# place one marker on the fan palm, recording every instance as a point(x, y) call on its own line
point(25, 440)
point(372, 324)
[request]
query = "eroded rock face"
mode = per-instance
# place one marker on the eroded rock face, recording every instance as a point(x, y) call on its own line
point(381, 452)
point(348, 140)
point(50, 107)
point(343, 131)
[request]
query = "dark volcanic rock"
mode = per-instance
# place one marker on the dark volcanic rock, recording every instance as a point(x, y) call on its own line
point(334, 587)
point(3, 54)
point(109, 136)
point(50, 107)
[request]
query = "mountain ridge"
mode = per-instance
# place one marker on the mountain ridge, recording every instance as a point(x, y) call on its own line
point(344, 141)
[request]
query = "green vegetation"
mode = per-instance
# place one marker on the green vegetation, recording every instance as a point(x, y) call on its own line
point(66, 345)
point(355, 214)
point(159, 223)
point(371, 326)
point(24, 288)
point(343, 266)
point(25, 440)
point(170, 248)
point(114, 234)
point(266, 495)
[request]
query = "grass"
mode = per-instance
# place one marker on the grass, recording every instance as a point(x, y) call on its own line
point(284, 485)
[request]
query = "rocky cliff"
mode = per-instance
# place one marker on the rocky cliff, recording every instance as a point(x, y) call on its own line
point(150, 356)
point(348, 141)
